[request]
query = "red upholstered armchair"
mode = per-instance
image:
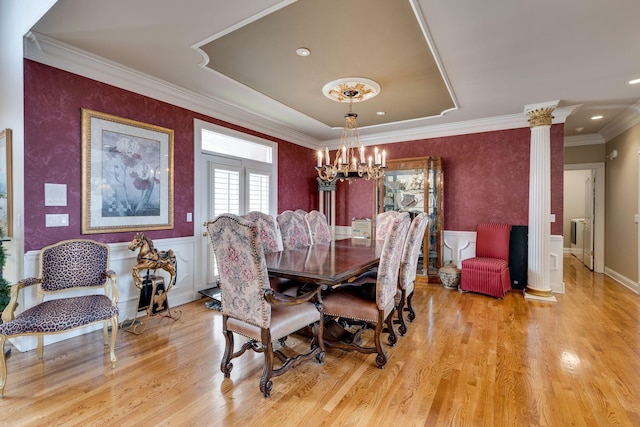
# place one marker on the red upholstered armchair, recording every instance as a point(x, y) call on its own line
point(488, 272)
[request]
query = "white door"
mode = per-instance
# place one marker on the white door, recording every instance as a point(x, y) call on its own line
point(233, 172)
point(587, 236)
point(222, 195)
point(233, 186)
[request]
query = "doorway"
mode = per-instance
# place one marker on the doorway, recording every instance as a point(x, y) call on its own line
point(589, 183)
point(233, 173)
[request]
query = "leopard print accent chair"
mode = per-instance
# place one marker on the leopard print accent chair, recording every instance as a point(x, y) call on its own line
point(68, 265)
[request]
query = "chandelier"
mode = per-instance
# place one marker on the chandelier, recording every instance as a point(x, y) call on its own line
point(351, 162)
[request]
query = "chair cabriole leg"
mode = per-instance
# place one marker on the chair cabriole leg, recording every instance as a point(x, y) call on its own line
point(3, 366)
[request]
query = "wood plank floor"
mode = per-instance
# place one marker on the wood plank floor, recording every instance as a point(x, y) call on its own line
point(467, 360)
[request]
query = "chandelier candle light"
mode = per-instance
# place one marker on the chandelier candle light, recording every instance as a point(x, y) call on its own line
point(347, 164)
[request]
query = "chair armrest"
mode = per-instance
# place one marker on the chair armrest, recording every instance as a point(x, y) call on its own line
point(110, 286)
point(8, 313)
point(277, 298)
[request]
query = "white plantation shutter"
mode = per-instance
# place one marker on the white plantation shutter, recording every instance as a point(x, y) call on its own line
point(258, 192)
point(237, 186)
point(226, 191)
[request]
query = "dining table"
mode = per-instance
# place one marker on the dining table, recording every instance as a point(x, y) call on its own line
point(326, 264)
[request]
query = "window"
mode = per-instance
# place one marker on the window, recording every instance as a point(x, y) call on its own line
point(238, 172)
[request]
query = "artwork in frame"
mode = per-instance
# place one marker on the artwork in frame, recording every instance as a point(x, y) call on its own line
point(5, 183)
point(127, 175)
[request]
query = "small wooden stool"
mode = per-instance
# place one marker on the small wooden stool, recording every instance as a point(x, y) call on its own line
point(153, 299)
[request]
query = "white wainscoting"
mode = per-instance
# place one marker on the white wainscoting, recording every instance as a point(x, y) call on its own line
point(557, 264)
point(122, 260)
point(460, 245)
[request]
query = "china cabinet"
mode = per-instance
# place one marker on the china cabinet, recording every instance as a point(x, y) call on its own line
point(416, 185)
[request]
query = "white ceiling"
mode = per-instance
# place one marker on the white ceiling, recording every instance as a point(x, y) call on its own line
point(497, 56)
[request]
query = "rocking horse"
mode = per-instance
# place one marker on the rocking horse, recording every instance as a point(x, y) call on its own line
point(149, 258)
point(153, 295)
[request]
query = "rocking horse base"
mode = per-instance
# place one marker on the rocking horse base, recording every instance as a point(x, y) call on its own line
point(153, 299)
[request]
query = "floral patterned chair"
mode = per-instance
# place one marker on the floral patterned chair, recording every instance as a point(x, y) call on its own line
point(294, 229)
point(267, 228)
point(351, 303)
point(251, 308)
point(319, 227)
point(384, 221)
point(70, 265)
point(267, 231)
point(409, 268)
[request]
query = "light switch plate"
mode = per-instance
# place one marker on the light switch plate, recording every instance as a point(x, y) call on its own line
point(57, 220)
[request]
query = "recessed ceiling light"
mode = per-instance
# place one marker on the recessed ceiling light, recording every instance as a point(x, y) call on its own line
point(596, 117)
point(634, 81)
point(380, 113)
point(580, 129)
point(303, 51)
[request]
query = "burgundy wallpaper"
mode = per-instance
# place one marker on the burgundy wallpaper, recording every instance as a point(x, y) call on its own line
point(53, 102)
point(486, 178)
point(486, 174)
point(297, 185)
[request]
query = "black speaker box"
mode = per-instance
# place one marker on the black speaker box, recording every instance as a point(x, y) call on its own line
point(518, 254)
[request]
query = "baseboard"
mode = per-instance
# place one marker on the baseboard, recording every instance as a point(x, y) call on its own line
point(623, 280)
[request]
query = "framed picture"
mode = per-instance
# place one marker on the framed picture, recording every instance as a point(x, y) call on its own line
point(127, 175)
point(6, 207)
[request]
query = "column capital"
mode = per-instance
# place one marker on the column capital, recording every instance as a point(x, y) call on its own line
point(540, 114)
point(540, 117)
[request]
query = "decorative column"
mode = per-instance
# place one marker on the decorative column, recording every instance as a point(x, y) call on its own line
point(539, 255)
point(327, 202)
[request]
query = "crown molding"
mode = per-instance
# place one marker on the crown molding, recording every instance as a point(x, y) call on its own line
point(490, 124)
point(629, 118)
point(591, 139)
point(54, 53)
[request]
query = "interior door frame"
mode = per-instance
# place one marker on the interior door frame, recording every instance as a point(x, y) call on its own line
point(200, 187)
point(598, 223)
point(589, 207)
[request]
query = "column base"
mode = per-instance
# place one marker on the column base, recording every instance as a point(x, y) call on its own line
point(539, 295)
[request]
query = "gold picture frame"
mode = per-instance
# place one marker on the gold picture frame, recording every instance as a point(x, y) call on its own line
point(6, 183)
point(127, 175)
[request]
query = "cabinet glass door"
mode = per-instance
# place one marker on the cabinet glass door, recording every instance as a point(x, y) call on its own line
point(414, 186)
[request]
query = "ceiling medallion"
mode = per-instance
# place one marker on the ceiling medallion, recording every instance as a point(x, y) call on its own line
point(351, 89)
point(350, 161)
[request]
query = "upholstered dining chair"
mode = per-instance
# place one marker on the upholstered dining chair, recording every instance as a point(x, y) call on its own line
point(75, 289)
point(319, 227)
point(409, 268)
point(267, 230)
point(351, 303)
point(268, 234)
point(384, 220)
point(488, 272)
point(251, 308)
point(294, 229)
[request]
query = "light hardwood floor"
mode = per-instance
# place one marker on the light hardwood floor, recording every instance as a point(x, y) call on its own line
point(467, 360)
